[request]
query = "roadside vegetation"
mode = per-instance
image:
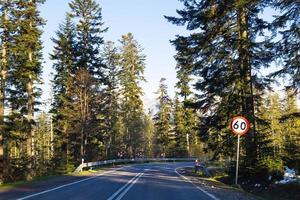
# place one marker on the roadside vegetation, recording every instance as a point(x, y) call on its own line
point(220, 173)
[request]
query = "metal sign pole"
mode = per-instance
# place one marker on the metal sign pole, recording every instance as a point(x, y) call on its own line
point(237, 161)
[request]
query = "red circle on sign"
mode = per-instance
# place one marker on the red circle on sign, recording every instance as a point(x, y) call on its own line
point(239, 130)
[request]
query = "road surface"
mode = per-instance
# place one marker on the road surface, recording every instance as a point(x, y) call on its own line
point(152, 181)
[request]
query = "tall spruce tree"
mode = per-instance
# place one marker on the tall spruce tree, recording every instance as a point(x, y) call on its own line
point(5, 45)
point(162, 121)
point(226, 57)
point(85, 100)
point(270, 137)
point(181, 136)
point(132, 63)
point(291, 125)
point(111, 119)
point(184, 72)
point(273, 113)
point(185, 128)
point(183, 110)
point(26, 70)
point(88, 14)
point(89, 41)
point(43, 144)
point(64, 57)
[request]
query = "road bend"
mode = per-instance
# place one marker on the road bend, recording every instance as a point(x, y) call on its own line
point(152, 181)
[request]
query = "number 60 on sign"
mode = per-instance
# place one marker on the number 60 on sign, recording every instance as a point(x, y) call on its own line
point(239, 125)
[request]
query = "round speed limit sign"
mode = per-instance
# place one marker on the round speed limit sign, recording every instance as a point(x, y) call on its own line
point(239, 125)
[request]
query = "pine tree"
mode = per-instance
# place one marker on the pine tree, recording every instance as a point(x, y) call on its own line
point(288, 46)
point(110, 110)
point(149, 134)
point(181, 137)
point(185, 113)
point(64, 57)
point(225, 58)
point(291, 130)
point(184, 71)
point(89, 27)
point(270, 137)
point(162, 121)
point(5, 43)
point(131, 74)
point(43, 144)
point(274, 113)
point(26, 70)
point(89, 40)
point(85, 99)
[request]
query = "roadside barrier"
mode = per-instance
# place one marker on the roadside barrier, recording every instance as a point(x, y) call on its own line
point(133, 160)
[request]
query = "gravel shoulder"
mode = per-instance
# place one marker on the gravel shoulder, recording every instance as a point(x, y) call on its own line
point(218, 189)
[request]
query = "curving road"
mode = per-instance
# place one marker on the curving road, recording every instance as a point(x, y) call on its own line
point(152, 181)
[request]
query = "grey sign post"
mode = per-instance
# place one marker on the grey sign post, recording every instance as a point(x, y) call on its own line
point(239, 126)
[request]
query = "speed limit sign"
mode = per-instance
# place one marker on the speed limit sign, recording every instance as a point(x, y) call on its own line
point(239, 125)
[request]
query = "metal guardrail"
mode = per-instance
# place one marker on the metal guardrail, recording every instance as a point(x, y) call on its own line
point(133, 160)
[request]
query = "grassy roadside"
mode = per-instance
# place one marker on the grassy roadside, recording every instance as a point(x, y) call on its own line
point(16, 184)
point(268, 192)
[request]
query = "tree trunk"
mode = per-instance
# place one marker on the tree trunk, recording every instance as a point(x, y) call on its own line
point(3, 139)
point(246, 89)
point(30, 101)
point(30, 118)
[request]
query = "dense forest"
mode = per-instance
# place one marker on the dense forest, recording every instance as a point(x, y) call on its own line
point(97, 111)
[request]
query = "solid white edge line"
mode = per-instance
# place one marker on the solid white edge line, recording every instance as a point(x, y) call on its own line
point(199, 188)
point(65, 185)
point(130, 186)
point(124, 186)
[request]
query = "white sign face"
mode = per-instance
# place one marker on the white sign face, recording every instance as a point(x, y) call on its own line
point(239, 125)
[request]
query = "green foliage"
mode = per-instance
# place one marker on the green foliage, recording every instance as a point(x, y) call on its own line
point(149, 134)
point(271, 167)
point(89, 30)
point(181, 137)
point(6, 42)
point(162, 121)
point(78, 82)
point(291, 134)
point(64, 58)
point(132, 64)
point(23, 76)
point(110, 110)
point(287, 26)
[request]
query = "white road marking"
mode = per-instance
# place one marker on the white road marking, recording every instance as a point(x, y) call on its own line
point(129, 184)
point(199, 188)
point(69, 184)
point(128, 188)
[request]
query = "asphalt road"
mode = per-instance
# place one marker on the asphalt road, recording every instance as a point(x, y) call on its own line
point(152, 181)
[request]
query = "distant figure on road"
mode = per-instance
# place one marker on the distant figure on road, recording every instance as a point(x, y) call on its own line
point(197, 165)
